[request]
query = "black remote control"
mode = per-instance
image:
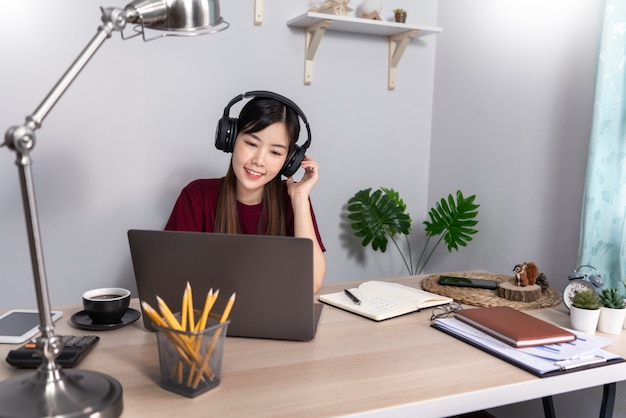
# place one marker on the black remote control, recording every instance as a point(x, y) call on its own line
point(75, 347)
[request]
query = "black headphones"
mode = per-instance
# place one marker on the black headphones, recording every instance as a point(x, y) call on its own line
point(226, 131)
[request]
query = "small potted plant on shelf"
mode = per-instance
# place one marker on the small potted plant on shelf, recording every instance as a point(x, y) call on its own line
point(400, 15)
point(585, 311)
point(613, 311)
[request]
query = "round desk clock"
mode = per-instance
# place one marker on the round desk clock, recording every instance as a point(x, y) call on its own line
point(580, 281)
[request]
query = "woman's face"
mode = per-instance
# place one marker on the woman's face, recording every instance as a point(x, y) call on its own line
point(257, 159)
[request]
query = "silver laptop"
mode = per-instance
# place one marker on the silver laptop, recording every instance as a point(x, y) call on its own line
point(272, 277)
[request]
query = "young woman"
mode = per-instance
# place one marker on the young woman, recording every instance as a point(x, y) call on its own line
point(252, 198)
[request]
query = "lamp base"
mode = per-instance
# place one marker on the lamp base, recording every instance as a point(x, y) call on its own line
point(61, 393)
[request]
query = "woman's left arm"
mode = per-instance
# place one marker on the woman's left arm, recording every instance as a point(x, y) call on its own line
point(303, 220)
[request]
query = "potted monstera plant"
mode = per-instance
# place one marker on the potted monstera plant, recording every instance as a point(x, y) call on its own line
point(380, 216)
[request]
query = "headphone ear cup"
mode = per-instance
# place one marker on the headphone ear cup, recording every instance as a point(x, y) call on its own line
point(293, 162)
point(225, 134)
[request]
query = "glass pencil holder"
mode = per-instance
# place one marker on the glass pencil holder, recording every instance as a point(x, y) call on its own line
point(191, 362)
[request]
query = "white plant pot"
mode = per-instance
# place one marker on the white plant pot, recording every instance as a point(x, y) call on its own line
point(584, 320)
point(611, 320)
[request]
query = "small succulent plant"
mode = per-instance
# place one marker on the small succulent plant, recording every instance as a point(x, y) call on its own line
point(586, 299)
point(611, 298)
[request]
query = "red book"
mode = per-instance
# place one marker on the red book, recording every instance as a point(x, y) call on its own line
point(514, 327)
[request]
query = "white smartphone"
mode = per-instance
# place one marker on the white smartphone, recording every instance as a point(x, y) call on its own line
point(19, 325)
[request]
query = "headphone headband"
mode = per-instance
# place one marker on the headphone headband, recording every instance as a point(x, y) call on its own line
point(226, 132)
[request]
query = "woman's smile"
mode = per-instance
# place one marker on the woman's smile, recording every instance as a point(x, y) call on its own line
point(253, 174)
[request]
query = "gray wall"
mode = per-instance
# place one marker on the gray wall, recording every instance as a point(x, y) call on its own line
point(511, 122)
point(139, 122)
point(489, 106)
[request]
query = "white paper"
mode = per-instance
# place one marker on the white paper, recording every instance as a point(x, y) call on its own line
point(584, 345)
point(581, 353)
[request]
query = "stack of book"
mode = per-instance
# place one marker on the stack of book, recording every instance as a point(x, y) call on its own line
point(528, 342)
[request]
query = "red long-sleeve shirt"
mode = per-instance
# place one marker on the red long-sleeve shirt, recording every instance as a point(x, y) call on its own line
point(196, 206)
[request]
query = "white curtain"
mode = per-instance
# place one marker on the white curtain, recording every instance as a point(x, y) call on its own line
point(603, 229)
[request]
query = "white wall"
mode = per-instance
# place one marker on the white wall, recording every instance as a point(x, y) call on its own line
point(139, 123)
point(512, 116)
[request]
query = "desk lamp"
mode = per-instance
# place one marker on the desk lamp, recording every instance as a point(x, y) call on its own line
point(51, 391)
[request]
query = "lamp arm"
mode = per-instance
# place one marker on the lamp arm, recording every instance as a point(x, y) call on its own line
point(21, 139)
point(80, 393)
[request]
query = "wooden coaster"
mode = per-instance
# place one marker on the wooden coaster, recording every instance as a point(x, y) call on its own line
point(486, 297)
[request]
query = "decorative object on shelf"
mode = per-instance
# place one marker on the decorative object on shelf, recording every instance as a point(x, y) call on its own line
point(370, 9)
point(578, 280)
point(51, 390)
point(315, 26)
point(400, 15)
point(382, 214)
point(336, 7)
point(612, 312)
point(585, 311)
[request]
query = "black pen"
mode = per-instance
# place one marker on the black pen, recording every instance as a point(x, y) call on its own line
point(352, 297)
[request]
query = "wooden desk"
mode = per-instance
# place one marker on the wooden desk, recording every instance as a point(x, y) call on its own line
point(354, 366)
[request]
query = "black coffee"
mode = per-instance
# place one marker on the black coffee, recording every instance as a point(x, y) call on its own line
point(106, 297)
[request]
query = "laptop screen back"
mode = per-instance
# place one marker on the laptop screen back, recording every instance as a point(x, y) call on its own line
point(272, 277)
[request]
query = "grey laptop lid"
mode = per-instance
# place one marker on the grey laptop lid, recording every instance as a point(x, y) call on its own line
point(272, 276)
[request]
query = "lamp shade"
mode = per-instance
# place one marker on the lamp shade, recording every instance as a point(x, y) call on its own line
point(178, 15)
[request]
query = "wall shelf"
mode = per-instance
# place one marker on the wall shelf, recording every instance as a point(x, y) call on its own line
point(399, 35)
point(258, 12)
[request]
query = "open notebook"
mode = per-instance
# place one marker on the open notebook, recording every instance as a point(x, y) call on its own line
point(272, 276)
point(380, 300)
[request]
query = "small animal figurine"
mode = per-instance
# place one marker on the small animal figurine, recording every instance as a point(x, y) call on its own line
point(526, 273)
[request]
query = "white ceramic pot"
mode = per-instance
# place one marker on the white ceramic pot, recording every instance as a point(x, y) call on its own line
point(584, 320)
point(611, 320)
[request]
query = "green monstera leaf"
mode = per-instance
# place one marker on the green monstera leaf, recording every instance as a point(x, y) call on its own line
point(454, 219)
point(378, 215)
